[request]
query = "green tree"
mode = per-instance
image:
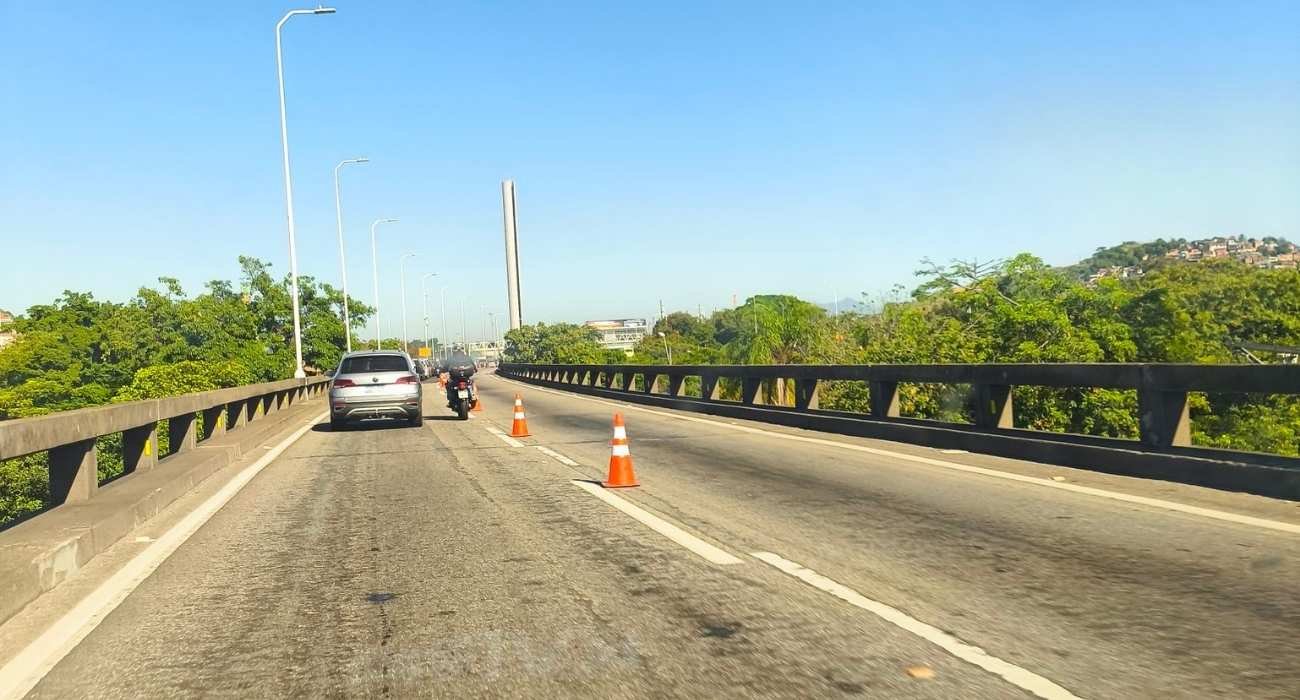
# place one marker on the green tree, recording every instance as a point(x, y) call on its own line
point(560, 343)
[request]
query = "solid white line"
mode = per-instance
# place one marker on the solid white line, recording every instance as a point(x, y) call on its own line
point(504, 438)
point(25, 670)
point(1264, 523)
point(1009, 672)
point(556, 455)
point(659, 525)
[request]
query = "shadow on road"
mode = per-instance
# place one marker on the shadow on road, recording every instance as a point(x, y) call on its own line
point(324, 427)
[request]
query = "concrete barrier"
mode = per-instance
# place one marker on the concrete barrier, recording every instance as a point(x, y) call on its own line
point(40, 552)
point(1163, 450)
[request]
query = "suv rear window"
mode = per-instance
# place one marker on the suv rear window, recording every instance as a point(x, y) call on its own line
point(374, 363)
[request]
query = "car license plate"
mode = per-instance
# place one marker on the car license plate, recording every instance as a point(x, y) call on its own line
point(463, 393)
point(373, 389)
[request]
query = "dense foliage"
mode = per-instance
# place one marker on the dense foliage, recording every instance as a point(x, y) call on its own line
point(560, 342)
point(79, 352)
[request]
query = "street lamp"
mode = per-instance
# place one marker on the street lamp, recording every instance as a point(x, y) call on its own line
point(443, 296)
point(401, 266)
point(343, 261)
point(424, 295)
point(374, 271)
point(667, 350)
point(298, 371)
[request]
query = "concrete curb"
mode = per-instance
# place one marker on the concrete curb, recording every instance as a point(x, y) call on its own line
point(41, 553)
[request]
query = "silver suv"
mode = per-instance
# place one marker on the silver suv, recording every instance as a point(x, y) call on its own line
point(375, 384)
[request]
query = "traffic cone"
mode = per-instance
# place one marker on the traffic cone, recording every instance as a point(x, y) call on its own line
point(519, 428)
point(620, 459)
point(478, 404)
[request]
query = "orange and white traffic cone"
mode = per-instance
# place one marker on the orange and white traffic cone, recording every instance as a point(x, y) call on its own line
point(519, 427)
point(620, 459)
point(478, 403)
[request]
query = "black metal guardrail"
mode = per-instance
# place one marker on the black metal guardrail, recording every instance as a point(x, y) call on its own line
point(1163, 449)
point(70, 437)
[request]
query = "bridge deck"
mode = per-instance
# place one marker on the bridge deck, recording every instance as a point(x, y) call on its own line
point(442, 561)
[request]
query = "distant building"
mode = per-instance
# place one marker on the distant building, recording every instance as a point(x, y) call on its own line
point(620, 334)
point(7, 334)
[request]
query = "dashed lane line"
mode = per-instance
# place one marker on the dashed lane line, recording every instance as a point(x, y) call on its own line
point(504, 438)
point(661, 526)
point(1011, 673)
point(556, 456)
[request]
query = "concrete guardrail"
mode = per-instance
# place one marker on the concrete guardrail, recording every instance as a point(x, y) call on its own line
point(1163, 449)
point(70, 436)
point(39, 552)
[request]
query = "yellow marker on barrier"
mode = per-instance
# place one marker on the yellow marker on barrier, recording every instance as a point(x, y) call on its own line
point(148, 447)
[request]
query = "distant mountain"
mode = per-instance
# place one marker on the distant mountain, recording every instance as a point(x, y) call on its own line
point(1132, 259)
point(846, 305)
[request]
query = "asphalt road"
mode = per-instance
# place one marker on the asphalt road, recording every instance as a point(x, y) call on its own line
point(441, 561)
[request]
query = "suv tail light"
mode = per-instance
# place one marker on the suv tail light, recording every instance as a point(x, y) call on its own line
point(408, 379)
point(343, 382)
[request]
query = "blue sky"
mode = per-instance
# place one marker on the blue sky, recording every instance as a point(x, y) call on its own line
point(682, 151)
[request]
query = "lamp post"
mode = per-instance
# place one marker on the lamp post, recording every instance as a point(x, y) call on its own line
point(343, 260)
point(667, 350)
point(374, 271)
point(443, 296)
point(298, 371)
point(424, 295)
point(401, 267)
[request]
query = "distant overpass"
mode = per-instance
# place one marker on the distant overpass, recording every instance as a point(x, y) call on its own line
point(771, 550)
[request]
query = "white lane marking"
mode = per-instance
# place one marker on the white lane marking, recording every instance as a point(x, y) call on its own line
point(659, 525)
point(504, 438)
point(1224, 516)
point(556, 455)
point(25, 670)
point(1009, 672)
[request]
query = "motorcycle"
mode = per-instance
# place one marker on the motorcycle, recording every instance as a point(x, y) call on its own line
point(461, 396)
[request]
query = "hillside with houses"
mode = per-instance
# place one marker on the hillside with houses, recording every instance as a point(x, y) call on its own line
point(1132, 259)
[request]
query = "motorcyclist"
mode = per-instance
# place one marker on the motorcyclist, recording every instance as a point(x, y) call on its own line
point(458, 365)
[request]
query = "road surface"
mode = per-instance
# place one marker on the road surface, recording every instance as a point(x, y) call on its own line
point(442, 561)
